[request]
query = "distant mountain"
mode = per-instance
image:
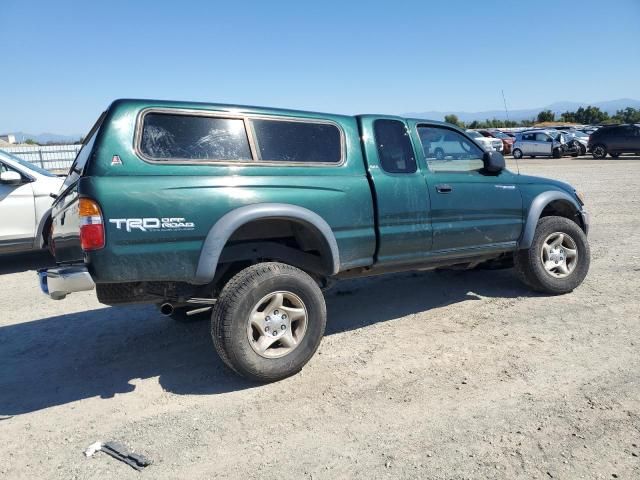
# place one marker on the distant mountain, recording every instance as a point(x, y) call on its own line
point(44, 138)
point(609, 106)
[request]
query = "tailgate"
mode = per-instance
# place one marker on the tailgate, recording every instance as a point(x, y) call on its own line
point(66, 227)
point(65, 234)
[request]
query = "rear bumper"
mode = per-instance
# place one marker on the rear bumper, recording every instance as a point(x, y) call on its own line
point(58, 282)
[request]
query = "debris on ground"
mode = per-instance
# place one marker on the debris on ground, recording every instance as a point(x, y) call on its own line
point(92, 449)
point(119, 452)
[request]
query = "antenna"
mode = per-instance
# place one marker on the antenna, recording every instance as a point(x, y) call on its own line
point(506, 111)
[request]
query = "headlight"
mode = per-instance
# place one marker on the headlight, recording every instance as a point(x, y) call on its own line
point(580, 196)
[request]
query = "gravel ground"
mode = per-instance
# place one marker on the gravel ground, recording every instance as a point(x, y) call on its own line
point(426, 375)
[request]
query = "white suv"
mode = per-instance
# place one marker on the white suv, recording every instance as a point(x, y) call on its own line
point(25, 203)
point(488, 143)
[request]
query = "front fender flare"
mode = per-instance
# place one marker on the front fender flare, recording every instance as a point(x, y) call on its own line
point(222, 230)
point(535, 210)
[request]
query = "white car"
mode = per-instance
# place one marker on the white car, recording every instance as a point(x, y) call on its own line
point(25, 203)
point(489, 144)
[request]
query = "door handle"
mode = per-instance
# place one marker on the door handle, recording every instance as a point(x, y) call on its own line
point(443, 188)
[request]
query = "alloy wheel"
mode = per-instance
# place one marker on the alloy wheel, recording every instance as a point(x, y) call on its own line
point(277, 324)
point(559, 255)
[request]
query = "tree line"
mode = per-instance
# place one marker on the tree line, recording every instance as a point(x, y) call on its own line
point(584, 115)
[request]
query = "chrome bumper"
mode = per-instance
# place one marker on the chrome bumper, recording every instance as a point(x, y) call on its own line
point(60, 281)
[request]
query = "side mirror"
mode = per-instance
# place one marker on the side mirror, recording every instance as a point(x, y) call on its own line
point(10, 178)
point(493, 162)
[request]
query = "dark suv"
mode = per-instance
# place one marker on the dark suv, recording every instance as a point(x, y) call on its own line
point(614, 140)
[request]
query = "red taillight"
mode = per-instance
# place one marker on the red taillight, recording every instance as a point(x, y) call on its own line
point(91, 226)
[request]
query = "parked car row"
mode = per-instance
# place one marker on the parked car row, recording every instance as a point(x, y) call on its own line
point(600, 141)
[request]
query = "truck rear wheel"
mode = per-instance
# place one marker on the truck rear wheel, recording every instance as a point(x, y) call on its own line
point(558, 259)
point(268, 321)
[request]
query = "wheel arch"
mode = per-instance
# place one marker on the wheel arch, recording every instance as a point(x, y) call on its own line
point(547, 204)
point(41, 240)
point(224, 229)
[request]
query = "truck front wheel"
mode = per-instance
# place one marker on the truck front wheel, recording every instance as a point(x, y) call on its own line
point(268, 321)
point(558, 259)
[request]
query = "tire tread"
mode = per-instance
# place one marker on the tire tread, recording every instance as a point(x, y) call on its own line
point(233, 293)
point(527, 261)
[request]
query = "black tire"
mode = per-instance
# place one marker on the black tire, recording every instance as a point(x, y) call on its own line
point(237, 300)
point(583, 150)
point(614, 155)
point(529, 266)
point(557, 153)
point(517, 154)
point(439, 153)
point(532, 156)
point(599, 151)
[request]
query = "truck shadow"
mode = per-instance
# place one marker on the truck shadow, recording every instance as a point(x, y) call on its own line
point(62, 359)
point(22, 262)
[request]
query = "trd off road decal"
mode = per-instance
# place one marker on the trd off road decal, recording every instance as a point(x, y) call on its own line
point(166, 224)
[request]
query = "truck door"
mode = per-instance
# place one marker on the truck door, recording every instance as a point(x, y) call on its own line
point(469, 209)
point(401, 197)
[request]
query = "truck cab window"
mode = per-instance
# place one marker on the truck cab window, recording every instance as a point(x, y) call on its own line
point(446, 150)
point(395, 151)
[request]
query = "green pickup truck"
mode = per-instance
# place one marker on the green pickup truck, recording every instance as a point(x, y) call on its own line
point(244, 214)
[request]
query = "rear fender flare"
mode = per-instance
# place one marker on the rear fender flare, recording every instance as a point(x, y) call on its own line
point(224, 228)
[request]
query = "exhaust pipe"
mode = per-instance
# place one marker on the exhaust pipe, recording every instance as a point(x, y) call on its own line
point(166, 309)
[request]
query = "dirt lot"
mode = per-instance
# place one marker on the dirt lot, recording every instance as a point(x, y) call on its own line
point(429, 375)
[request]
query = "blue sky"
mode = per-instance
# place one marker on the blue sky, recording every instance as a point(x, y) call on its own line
point(62, 62)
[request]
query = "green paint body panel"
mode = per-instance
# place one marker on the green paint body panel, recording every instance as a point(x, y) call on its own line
point(378, 219)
